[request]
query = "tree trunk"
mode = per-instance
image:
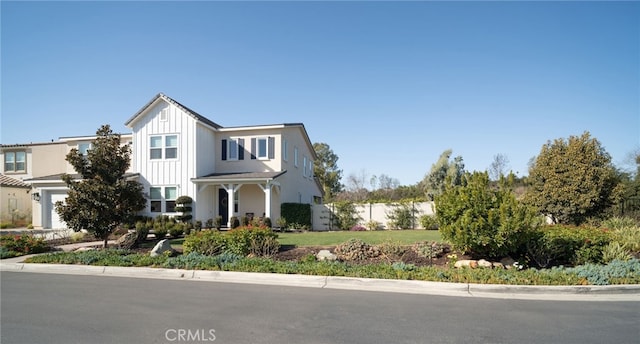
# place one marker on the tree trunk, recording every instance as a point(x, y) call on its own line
point(105, 242)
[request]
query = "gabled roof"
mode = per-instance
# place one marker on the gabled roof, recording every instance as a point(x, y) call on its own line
point(12, 182)
point(169, 100)
point(75, 176)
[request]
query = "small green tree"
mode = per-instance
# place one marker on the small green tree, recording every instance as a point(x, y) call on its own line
point(572, 180)
point(104, 197)
point(484, 221)
point(402, 215)
point(346, 215)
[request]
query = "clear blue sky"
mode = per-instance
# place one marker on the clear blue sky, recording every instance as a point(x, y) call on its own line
point(388, 85)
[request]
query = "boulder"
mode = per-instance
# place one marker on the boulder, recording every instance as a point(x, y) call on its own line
point(484, 263)
point(507, 262)
point(82, 249)
point(326, 255)
point(497, 265)
point(127, 241)
point(466, 263)
point(161, 247)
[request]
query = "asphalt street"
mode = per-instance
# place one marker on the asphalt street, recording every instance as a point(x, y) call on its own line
point(58, 308)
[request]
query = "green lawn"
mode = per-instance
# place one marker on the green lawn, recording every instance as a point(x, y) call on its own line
point(370, 237)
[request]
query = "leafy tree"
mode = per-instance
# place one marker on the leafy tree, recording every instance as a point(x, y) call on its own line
point(442, 171)
point(104, 197)
point(572, 180)
point(326, 170)
point(482, 220)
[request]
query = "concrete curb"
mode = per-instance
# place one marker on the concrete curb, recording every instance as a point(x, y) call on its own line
point(558, 293)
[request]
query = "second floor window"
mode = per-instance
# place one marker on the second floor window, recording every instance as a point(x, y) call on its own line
point(84, 148)
point(163, 147)
point(15, 162)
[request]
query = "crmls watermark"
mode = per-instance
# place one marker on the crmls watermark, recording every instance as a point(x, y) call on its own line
point(190, 335)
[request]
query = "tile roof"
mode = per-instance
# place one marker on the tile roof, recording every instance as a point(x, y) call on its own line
point(12, 182)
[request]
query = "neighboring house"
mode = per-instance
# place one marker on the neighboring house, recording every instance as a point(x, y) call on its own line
point(41, 165)
point(15, 199)
point(227, 171)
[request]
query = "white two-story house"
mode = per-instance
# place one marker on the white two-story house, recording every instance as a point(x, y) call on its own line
point(227, 171)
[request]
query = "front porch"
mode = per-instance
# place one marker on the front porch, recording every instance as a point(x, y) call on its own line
point(227, 195)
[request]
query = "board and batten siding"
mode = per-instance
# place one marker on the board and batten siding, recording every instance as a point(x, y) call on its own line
point(166, 172)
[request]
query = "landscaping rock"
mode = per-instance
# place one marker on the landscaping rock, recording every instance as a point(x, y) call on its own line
point(82, 249)
point(127, 241)
point(507, 262)
point(497, 265)
point(161, 247)
point(326, 255)
point(466, 263)
point(483, 263)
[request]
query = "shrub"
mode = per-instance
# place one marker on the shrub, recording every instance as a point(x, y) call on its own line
point(241, 241)
point(428, 222)
point(615, 251)
point(622, 271)
point(484, 221)
point(245, 221)
point(346, 215)
point(208, 243)
point(566, 245)
point(176, 230)
point(429, 250)
point(23, 244)
point(299, 213)
point(392, 248)
point(619, 223)
point(160, 230)
point(372, 225)
point(628, 237)
point(235, 222)
point(77, 236)
point(197, 226)
point(142, 230)
point(358, 228)
point(401, 216)
point(356, 249)
point(266, 222)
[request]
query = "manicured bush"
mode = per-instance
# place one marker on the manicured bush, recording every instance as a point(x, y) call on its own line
point(298, 213)
point(484, 221)
point(183, 206)
point(142, 230)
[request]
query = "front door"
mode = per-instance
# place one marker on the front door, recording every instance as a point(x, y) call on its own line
point(223, 206)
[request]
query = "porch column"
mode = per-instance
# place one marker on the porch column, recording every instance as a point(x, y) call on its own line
point(231, 201)
point(267, 196)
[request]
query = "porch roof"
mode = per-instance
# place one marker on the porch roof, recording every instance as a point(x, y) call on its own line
point(238, 177)
point(57, 178)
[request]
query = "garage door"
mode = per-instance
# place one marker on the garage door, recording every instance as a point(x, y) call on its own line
point(56, 221)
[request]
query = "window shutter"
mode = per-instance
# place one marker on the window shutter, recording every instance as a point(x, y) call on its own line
point(224, 149)
point(272, 147)
point(253, 148)
point(240, 149)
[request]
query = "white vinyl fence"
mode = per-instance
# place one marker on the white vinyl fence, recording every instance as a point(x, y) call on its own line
point(324, 214)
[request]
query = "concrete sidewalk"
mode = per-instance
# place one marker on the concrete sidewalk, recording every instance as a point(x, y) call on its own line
point(557, 293)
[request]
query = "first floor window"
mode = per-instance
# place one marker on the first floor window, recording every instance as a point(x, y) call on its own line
point(170, 199)
point(15, 161)
point(155, 196)
point(163, 199)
